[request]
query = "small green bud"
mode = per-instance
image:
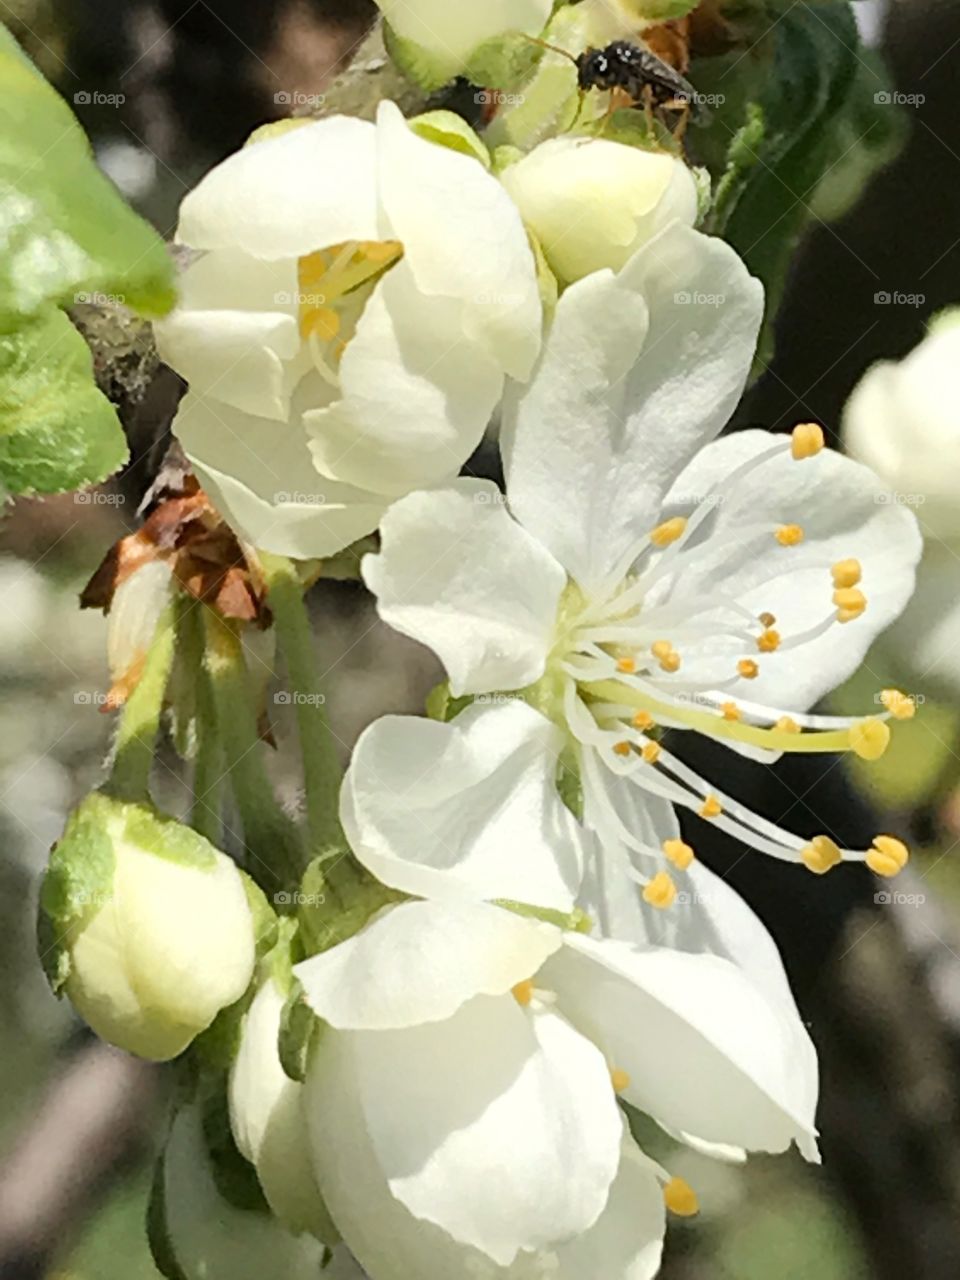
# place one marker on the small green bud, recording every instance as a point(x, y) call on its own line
point(145, 925)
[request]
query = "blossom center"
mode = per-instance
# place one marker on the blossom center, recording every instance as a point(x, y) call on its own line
point(333, 284)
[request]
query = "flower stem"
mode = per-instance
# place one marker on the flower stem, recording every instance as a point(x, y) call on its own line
point(140, 719)
point(321, 764)
point(205, 812)
point(270, 834)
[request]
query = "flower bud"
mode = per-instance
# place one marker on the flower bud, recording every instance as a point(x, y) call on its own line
point(268, 1123)
point(145, 925)
point(593, 203)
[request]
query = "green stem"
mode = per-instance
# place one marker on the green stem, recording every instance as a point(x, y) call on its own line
point(321, 764)
point(270, 834)
point(140, 719)
point(205, 812)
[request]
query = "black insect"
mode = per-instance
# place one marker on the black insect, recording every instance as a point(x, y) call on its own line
point(647, 79)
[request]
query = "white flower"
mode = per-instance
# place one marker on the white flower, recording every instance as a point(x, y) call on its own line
point(648, 576)
point(268, 1122)
point(903, 420)
point(152, 934)
point(463, 1094)
point(346, 333)
point(449, 31)
point(592, 203)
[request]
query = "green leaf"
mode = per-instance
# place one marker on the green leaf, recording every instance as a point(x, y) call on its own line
point(65, 228)
point(784, 137)
point(57, 429)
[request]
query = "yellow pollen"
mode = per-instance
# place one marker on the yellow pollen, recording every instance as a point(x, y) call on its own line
point(748, 669)
point(680, 854)
point(888, 856)
point(766, 620)
point(898, 704)
point(850, 601)
point(807, 440)
point(846, 573)
point(786, 724)
point(731, 711)
point(671, 662)
point(651, 752)
point(523, 992)
point(626, 665)
point(622, 748)
point(789, 535)
point(869, 739)
point(769, 642)
point(711, 807)
point(643, 720)
point(680, 1198)
point(660, 892)
point(669, 531)
point(661, 649)
point(619, 1079)
point(821, 854)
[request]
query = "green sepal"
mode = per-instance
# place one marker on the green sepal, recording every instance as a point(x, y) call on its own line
point(234, 1176)
point(58, 431)
point(569, 785)
point(742, 157)
point(504, 63)
point(441, 705)
point(447, 129)
point(337, 897)
point(66, 229)
point(299, 1027)
point(416, 63)
point(158, 1234)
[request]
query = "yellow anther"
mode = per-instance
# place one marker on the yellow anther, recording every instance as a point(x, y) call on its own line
point(680, 854)
point(523, 992)
point(821, 854)
point(869, 739)
point(627, 666)
point(786, 724)
point(660, 892)
point(619, 1079)
point(669, 531)
point(622, 748)
point(651, 752)
point(850, 602)
point(731, 711)
point(807, 440)
point(898, 704)
point(767, 620)
point(323, 322)
point(643, 720)
point(661, 648)
point(846, 573)
point(888, 856)
point(747, 668)
point(789, 535)
point(769, 642)
point(671, 662)
point(711, 807)
point(378, 251)
point(680, 1198)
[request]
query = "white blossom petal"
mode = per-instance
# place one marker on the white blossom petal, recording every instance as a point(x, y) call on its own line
point(420, 962)
point(288, 194)
point(716, 1058)
point(458, 574)
point(466, 809)
point(639, 371)
point(843, 510)
point(500, 1125)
